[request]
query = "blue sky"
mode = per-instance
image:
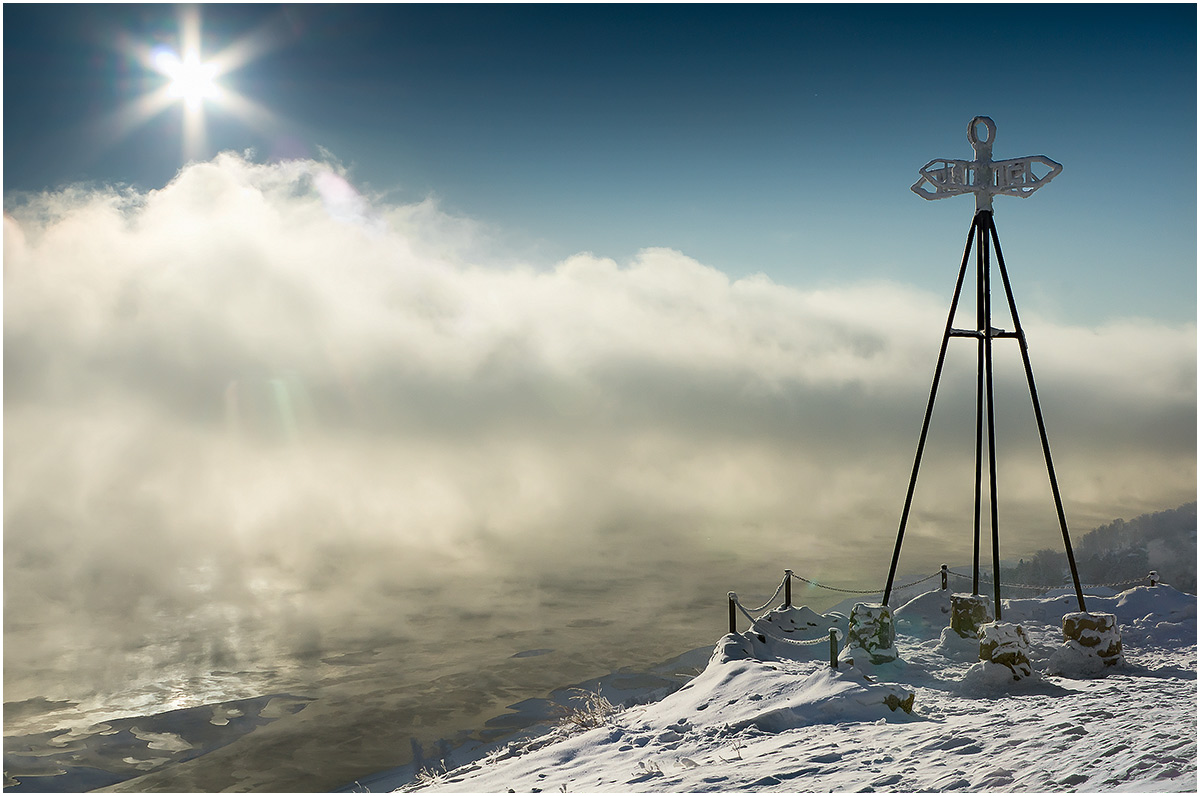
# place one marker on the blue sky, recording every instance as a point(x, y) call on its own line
point(773, 139)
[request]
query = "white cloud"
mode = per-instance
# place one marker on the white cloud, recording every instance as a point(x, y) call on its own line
point(255, 366)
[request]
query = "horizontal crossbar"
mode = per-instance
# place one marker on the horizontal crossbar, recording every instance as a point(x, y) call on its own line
point(996, 333)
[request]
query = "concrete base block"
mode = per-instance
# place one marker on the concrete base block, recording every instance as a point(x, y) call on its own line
point(969, 612)
point(1005, 644)
point(1091, 644)
point(872, 632)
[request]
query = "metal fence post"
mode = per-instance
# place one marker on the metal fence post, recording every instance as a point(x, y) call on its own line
point(787, 588)
point(833, 648)
point(732, 612)
point(944, 578)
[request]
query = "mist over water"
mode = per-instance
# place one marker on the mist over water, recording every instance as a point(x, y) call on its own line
point(264, 434)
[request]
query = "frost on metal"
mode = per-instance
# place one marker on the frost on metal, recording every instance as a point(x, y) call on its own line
point(983, 176)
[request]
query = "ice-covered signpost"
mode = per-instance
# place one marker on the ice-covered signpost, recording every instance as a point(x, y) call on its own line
point(985, 178)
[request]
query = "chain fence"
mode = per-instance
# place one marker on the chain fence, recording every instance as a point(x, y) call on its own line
point(765, 629)
point(863, 591)
point(1152, 580)
point(785, 586)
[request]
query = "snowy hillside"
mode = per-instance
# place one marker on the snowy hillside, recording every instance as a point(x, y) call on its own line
point(769, 714)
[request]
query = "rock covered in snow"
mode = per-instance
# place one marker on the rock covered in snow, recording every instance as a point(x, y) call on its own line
point(871, 635)
point(968, 613)
point(1005, 644)
point(1092, 643)
point(1095, 631)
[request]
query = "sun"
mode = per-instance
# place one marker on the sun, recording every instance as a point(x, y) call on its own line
point(191, 80)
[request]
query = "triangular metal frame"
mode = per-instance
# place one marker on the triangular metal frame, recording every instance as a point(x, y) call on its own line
point(984, 237)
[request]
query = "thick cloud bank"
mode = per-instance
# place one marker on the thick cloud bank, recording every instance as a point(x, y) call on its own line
point(257, 376)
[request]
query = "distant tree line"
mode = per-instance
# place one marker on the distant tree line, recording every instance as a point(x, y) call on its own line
point(1164, 541)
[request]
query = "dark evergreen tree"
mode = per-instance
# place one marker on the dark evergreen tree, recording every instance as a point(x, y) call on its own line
point(1121, 550)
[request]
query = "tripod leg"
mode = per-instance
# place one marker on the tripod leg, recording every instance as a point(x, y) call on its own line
point(937, 375)
point(1041, 424)
point(991, 413)
point(981, 325)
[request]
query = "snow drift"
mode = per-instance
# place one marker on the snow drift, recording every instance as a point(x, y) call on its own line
point(770, 714)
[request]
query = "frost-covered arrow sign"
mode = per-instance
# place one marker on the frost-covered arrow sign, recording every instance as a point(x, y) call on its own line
point(983, 176)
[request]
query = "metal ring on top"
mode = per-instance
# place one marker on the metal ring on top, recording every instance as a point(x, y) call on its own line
point(973, 133)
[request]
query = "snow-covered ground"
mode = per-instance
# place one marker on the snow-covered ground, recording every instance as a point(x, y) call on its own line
point(769, 714)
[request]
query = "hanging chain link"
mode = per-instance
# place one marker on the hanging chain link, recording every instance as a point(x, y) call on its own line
point(834, 588)
point(768, 603)
point(812, 642)
point(865, 591)
point(763, 629)
point(922, 580)
point(1114, 585)
point(749, 613)
point(1048, 588)
point(1012, 585)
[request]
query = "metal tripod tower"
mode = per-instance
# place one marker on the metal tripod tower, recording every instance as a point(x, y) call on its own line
point(984, 178)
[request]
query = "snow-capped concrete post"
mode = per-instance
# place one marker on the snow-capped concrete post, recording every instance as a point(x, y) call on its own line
point(1091, 643)
point(1005, 644)
point(872, 630)
point(968, 613)
point(833, 650)
point(945, 579)
point(1153, 577)
point(787, 588)
point(732, 612)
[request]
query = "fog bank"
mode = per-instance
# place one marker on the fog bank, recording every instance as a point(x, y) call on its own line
point(256, 397)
